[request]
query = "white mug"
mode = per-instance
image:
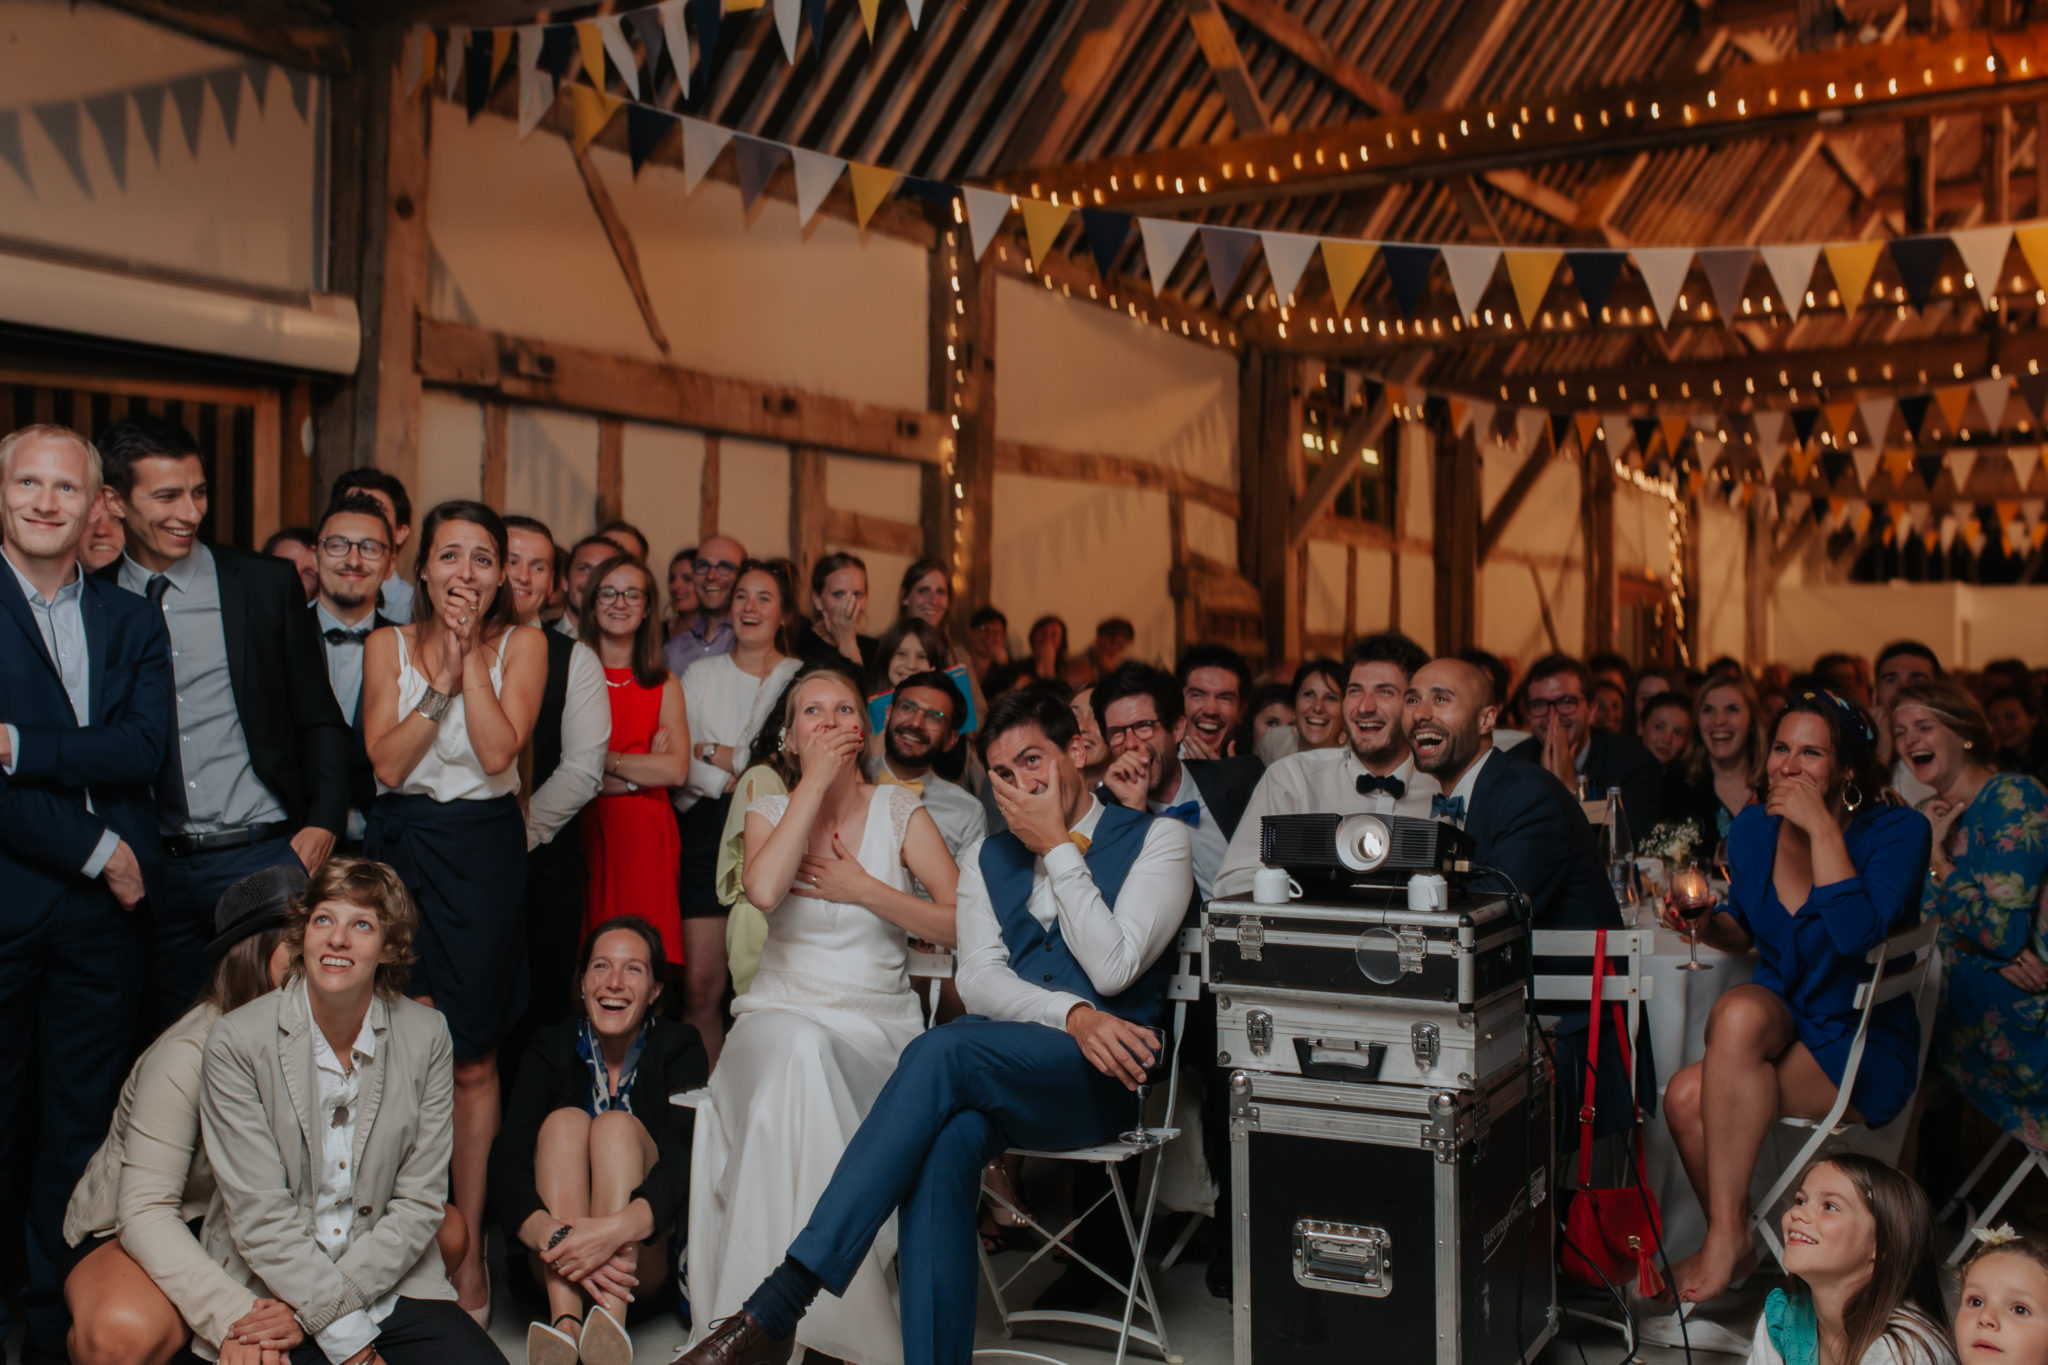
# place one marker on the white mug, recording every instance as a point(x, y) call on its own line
point(1428, 891)
point(1272, 886)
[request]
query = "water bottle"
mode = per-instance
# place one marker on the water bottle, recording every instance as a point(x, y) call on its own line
point(1621, 850)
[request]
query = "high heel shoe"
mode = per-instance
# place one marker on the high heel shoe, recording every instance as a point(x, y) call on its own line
point(550, 1345)
point(604, 1341)
point(482, 1316)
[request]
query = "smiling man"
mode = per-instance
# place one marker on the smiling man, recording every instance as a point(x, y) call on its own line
point(1215, 685)
point(1569, 746)
point(716, 573)
point(924, 722)
point(353, 544)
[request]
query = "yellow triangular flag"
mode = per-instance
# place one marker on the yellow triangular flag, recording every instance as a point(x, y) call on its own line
point(1840, 415)
point(593, 110)
point(590, 42)
point(1459, 407)
point(1851, 264)
point(1587, 424)
point(868, 10)
point(1530, 272)
point(501, 50)
point(735, 6)
point(1952, 400)
point(2033, 240)
point(871, 185)
point(1898, 464)
point(1042, 224)
point(1345, 263)
point(1802, 463)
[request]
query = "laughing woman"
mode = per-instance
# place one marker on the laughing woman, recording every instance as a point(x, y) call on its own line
point(448, 703)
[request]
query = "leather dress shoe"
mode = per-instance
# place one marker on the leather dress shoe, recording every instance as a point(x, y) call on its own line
point(737, 1340)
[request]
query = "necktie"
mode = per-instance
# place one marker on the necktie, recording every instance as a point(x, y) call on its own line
point(170, 779)
point(1392, 786)
point(1452, 806)
point(885, 778)
point(336, 635)
point(1081, 841)
point(1189, 812)
point(156, 588)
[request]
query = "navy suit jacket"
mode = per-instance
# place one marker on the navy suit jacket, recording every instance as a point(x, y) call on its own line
point(1226, 785)
point(362, 777)
point(1524, 822)
point(1615, 761)
point(47, 833)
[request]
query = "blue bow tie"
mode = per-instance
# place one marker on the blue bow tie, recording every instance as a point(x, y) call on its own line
point(1189, 811)
point(1453, 806)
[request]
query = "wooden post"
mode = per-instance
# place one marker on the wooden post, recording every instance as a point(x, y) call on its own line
point(266, 468)
point(611, 470)
point(1596, 527)
point(1997, 164)
point(1920, 174)
point(707, 491)
point(1187, 610)
point(393, 281)
point(1271, 382)
point(1455, 491)
point(303, 496)
point(807, 512)
point(961, 299)
point(497, 418)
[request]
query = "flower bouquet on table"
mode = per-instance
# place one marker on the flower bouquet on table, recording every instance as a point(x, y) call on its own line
point(1674, 841)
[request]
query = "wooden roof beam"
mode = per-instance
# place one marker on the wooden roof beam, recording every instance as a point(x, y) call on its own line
point(1915, 77)
point(1281, 28)
point(306, 46)
point(1226, 64)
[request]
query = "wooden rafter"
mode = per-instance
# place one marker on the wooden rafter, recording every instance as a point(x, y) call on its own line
point(1226, 65)
point(308, 46)
point(1280, 26)
point(621, 240)
point(1094, 53)
point(1361, 432)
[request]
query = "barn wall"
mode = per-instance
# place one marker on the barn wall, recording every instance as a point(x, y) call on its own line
point(1539, 562)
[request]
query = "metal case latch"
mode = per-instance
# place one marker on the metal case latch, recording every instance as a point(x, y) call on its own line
point(1251, 938)
point(1258, 1031)
point(1414, 947)
point(1343, 1258)
point(1427, 1040)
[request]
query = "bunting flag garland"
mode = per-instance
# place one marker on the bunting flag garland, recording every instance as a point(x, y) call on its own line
point(1983, 253)
point(702, 142)
point(872, 184)
point(1593, 273)
point(1913, 408)
point(788, 16)
point(1877, 417)
point(1918, 260)
point(1992, 395)
point(149, 111)
point(188, 97)
point(1899, 465)
point(1663, 270)
point(109, 114)
point(1344, 262)
point(1952, 399)
point(870, 10)
point(1616, 426)
point(11, 150)
point(592, 110)
point(1471, 270)
point(1106, 231)
point(2034, 391)
point(756, 159)
point(1530, 274)
point(1644, 429)
point(816, 174)
point(59, 122)
point(1407, 271)
point(646, 130)
point(677, 40)
point(985, 212)
point(1287, 256)
point(2024, 460)
point(1866, 456)
point(1851, 263)
point(611, 32)
point(1961, 461)
point(1727, 272)
point(1042, 224)
point(1226, 249)
point(1791, 269)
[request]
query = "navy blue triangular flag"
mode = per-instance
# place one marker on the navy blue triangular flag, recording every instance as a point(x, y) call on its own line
point(1593, 272)
point(757, 161)
point(1804, 420)
point(2034, 388)
point(707, 14)
point(1927, 466)
point(1913, 410)
point(1919, 260)
point(930, 190)
point(1560, 427)
point(1372, 391)
point(653, 42)
point(149, 109)
point(1645, 429)
point(476, 71)
point(815, 10)
point(1407, 272)
point(646, 126)
point(1833, 464)
point(227, 88)
point(1226, 250)
point(109, 114)
point(300, 84)
point(188, 95)
point(1105, 231)
point(61, 125)
point(557, 46)
point(259, 82)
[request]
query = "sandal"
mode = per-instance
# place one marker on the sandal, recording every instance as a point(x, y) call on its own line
point(1003, 1227)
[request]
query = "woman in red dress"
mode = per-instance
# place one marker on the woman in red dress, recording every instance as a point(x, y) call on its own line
point(630, 843)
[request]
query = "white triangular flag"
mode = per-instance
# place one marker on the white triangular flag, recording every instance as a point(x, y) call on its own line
point(787, 15)
point(1770, 439)
point(1791, 270)
point(1877, 418)
point(613, 31)
point(985, 211)
point(412, 63)
point(536, 87)
point(816, 174)
point(1961, 461)
point(1983, 252)
point(1865, 454)
point(1287, 256)
point(1664, 270)
point(1620, 436)
point(916, 8)
point(1471, 270)
point(1991, 396)
point(1165, 240)
point(678, 41)
point(454, 56)
point(1948, 532)
point(1479, 418)
point(1707, 446)
point(2025, 460)
point(702, 142)
point(1529, 425)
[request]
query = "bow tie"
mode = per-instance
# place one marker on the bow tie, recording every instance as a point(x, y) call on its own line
point(1453, 806)
point(885, 778)
point(336, 635)
point(1189, 812)
point(1392, 786)
point(1081, 841)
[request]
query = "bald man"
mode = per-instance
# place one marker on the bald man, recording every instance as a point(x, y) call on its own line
point(1523, 822)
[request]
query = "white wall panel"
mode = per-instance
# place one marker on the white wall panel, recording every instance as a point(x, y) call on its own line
point(753, 495)
point(1083, 553)
point(663, 472)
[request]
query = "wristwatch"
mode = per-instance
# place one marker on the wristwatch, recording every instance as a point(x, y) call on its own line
point(707, 751)
point(434, 705)
point(632, 786)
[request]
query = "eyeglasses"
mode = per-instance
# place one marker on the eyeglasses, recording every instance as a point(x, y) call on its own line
point(1564, 706)
point(1137, 729)
point(337, 547)
point(717, 568)
point(917, 711)
point(632, 597)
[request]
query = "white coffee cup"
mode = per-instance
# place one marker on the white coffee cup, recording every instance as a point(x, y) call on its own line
point(1272, 886)
point(1428, 891)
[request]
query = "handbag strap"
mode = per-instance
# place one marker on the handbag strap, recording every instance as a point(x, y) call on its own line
point(1592, 1062)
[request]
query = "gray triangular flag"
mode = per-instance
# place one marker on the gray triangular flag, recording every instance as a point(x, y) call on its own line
point(816, 173)
point(1865, 454)
point(455, 56)
point(188, 95)
point(1791, 270)
point(413, 58)
point(916, 8)
point(788, 18)
point(60, 123)
point(109, 114)
point(149, 111)
point(612, 32)
point(702, 142)
point(1165, 240)
point(1287, 256)
point(1707, 446)
point(1983, 252)
point(1727, 271)
point(536, 96)
point(678, 42)
point(301, 85)
point(227, 89)
point(1961, 461)
point(1770, 438)
point(985, 212)
point(1877, 418)
point(1991, 396)
point(1663, 269)
point(1471, 270)
point(11, 150)
point(2025, 460)
point(258, 72)
point(1530, 424)
point(653, 42)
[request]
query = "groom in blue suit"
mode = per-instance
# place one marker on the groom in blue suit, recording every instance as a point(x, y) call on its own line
point(1064, 925)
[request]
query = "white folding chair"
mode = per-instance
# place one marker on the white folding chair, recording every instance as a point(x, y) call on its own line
point(2034, 1160)
point(934, 965)
point(1917, 980)
point(1183, 987)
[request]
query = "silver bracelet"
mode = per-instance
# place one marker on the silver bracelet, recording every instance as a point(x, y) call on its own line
point(434, 705)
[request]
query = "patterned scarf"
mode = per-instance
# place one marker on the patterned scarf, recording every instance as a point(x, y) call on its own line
point(600, 1099)
point(1792, 1327)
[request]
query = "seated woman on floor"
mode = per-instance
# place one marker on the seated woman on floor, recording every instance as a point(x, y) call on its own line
point(326, 1112)
point(1990, 865)
point(591, 1170)
point(827, 1016)
point(1822, 873)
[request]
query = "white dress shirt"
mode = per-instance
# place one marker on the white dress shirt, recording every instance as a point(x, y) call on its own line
point(955, 810)
point(1206, 841)
point(61, 621)
point(334, 1202)
point(728, 706)
point(1114, 949)
point(1316, 780)
point(586, 735)
point(345, 660)
point(395, 599)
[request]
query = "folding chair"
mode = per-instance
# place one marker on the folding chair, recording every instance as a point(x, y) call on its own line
point(1918, 980)
point(1183, 987)
point(934, 965)
point(2035, 1160)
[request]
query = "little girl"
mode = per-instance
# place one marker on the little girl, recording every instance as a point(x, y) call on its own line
point(1859, 1245)
point(2002, 1313)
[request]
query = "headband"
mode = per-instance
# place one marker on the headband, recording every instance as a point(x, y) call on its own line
point(1852, 718)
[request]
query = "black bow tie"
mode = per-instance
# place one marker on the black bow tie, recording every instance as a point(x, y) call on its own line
point(1392, 786)
point(336, 635)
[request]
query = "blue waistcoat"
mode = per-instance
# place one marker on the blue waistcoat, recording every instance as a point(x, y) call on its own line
point(1040, 955)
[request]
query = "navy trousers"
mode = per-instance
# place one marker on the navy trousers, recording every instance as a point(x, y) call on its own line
point(68, 994)
point(962, 1094)
point(181, 906)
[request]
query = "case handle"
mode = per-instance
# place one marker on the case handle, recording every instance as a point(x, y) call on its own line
point(1366, 1070)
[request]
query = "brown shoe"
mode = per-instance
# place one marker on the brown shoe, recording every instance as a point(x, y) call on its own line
point(737, 1340)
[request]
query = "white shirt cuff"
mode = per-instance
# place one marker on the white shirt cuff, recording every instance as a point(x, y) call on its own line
point(1058, 1005)
point(346, 1335)
point(13, 749)
point(1064, 857)
point(101, 852)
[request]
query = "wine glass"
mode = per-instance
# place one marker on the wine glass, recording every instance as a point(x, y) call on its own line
point(1155, 1072)
point(1692, 896)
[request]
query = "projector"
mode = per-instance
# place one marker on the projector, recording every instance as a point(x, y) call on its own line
point(1325, 844)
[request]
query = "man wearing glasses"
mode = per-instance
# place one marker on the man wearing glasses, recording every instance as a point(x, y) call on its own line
point(352, 549)
point(924, 722)
point(1569, 748)
point(709, 632)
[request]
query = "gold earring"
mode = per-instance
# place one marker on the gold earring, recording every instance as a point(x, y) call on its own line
point(1847, 803)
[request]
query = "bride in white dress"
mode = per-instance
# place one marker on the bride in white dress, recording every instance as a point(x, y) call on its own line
point(821, 1028)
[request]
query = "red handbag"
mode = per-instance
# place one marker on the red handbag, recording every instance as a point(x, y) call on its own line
point(1611, 1234)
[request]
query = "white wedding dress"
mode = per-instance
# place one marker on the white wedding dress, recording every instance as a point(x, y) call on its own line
point(817, 1036)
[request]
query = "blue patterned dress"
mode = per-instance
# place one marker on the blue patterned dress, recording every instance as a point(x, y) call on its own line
point(1992, 1037)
